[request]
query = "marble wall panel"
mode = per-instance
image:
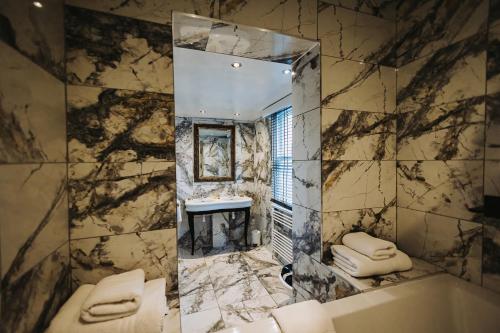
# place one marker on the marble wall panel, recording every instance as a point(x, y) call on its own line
point(492, 178)
point(306, 82)
point(117, 198)
point(307, 184)
point(356, 36)
point(450, 74)
point(153, 251)
point(306, 231)
point(381, 8)
point(117, 52)
point(293, 18)
point(493, 66)
point(307, 136)
point(352, 85)
point(35, 32)
point(492, 126)
point(32, 299)
point(378, 222)
point(351, 185)
point(159, 11)
point(450, 188)
point(450, 243)
point(445, 132)
point(427, 26)
point(33, 126)
point(110, 125)
point(34, 207)
point(355, 135)
point(491, 253)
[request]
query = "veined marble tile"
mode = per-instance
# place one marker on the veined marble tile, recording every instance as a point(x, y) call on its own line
point(31, 300)
point(427, 26)
point(492, 126)
point(294, 18)
point(193, 277)
point(117, 198)
point(33, 202)
point(493, 67)
point(450, 188)
point(351, 85)
point(248, 289)
point(492, 178)
point(307, 136)
point(270, 279)
point(260, 307)
point(319, 280)
point(378, 222)
point(307, 184)
point(445, 132)
point(159, 11)
point(306, 82)
point(353, 35)
point(245, 141)
point(357, 184)
point(201, 301)
point(491, 257)
point(262, 156)
point(259, 258)
point(154, 251)
point(235, 315)
point(117, 52)
point(450, 74)
point(202, 322)
point(33, 126)
point(229, 270)
point(354, 135)
point(35, 32)
point(450, 243)
point(119, 125)
point(306, 231)
point(380, 8)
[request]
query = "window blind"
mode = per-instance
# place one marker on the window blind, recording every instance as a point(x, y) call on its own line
point(281, 156)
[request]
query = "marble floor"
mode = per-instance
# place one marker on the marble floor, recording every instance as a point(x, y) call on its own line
point(228, 289)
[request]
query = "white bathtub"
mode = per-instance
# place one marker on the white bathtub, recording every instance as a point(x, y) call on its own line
point(436, 304)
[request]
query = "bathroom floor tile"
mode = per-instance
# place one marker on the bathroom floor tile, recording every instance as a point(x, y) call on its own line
point(202, 322)
point(235, 315)
point(260, 307)
point(193, 276)
point(201, 301)
point(259, 258)
point(248, 289)
point(269, 278)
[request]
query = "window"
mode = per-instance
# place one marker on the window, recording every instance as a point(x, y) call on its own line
point(281, 156)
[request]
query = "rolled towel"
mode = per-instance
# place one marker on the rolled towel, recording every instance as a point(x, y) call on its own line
point(303, 317)
point(148, 319)
point(359, 265)
point(375, 248)
point(114, 297)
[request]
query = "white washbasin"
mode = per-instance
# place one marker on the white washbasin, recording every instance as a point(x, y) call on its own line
point(208, 204)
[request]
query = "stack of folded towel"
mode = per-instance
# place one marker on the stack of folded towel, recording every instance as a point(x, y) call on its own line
point(363, 255)
point(119, 303)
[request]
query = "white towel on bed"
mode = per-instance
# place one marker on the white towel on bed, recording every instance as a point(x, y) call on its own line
point(372, 247)
point(115, 296)
point(303, 317)
point(148, 319)
point(359, 265)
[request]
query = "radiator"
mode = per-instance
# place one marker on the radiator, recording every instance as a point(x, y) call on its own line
point(281, 238)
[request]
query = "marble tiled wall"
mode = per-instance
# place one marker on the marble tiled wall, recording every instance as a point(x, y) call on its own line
point(34, 252)
point(446, 103)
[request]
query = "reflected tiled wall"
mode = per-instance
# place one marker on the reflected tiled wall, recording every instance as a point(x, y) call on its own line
point(34, 253)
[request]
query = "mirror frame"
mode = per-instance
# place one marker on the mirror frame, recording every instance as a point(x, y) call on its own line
point(196, 151)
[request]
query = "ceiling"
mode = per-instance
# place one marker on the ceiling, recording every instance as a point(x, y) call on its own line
point(206, 81)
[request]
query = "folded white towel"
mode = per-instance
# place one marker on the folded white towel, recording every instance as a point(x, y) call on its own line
point(115, 296)
point(372, 247)
point(148, 319)
point(359, 265)
point(303, 317)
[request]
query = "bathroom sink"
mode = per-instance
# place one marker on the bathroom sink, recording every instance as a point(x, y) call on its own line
point(208, 204)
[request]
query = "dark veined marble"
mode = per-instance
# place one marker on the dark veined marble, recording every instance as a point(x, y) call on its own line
point(306, 232)
point(445, 132)
point(491, 256)
point(380, 8)
point(306, 82)
point(117, 52)
point(30, 301)
point(109, 125)
point(117, 198)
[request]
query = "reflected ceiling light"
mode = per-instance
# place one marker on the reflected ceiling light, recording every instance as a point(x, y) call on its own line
point(361, 63)
point(236, 64)
point(37, 4)
point(236, 114)
point(203, 111)
point(287, 71)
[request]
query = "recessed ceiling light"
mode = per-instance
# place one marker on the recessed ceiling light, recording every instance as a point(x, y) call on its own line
point(287, 71)
point(37, 4)
point(203, 111)
point(236, 64)
point(236, 114)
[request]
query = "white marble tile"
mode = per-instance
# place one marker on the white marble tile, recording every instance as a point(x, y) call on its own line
point(492, 126)
point(306, 136)
point(228, 270)
point(451, 188)
point(193, 276)
point(202, 322)
point(491, 246)
point(307, 184)
point(351, 85)
point(358, 184)
point(306, 231)
point(259, 258)
point(306, 82)
point(200, 301)
point(260, 307)
point(450, 243)
point(235, 315)
point(248, 289)
point(492, 178)
point(270, 279)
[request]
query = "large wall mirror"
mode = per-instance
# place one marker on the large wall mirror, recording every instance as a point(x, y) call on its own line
point(214, 153)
